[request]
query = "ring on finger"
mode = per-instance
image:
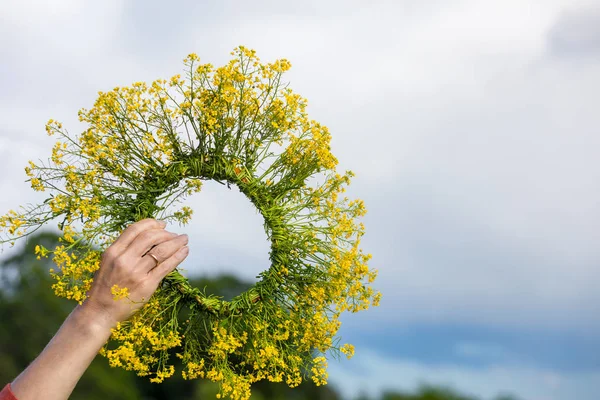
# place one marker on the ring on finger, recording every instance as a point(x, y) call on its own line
point(155, 259)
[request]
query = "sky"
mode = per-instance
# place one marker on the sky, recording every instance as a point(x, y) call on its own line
point(471, 125)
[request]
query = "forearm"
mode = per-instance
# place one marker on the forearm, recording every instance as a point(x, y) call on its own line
point(55, 372)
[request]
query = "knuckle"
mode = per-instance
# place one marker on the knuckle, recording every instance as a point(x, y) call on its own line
point(132, 227)
point(141, 222)
point(146, 235)
point(159, 252)
point(135, 230)
point(107, 256)
point(146, 223)
point(120, 263)
point(180, 255)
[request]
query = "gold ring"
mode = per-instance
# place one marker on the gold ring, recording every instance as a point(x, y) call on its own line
point(155, 259)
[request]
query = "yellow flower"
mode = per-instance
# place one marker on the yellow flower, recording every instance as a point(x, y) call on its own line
point(119, 292)
point(348, 350)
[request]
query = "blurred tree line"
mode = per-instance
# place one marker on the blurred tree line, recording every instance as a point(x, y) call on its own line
point(30, 314)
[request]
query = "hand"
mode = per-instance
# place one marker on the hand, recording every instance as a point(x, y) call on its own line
point(55, 372)
point(125, 263)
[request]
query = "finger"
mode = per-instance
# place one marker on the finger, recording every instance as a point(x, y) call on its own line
point(148, 239)
point(133, 230)
point(163, 252)
point(169, 264)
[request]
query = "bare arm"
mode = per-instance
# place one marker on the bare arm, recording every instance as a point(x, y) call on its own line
point(55, 372)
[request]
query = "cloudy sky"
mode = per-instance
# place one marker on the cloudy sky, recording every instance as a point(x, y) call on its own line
point(472, 126)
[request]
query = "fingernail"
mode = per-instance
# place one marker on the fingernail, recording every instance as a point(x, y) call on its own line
point(162, 223)
point(185, 250)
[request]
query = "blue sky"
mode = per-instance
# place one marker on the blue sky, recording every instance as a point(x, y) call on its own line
point(472, 127)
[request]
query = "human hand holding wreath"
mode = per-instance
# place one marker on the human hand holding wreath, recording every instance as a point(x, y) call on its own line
point(147, 147)
point(126, 263)
point(132, 268)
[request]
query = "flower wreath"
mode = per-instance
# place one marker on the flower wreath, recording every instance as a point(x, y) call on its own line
point(147, 147)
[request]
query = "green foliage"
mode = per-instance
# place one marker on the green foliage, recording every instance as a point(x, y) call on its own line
point(427, 393)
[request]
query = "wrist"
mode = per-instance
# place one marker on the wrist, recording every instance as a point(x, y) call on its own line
point(93, 319)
